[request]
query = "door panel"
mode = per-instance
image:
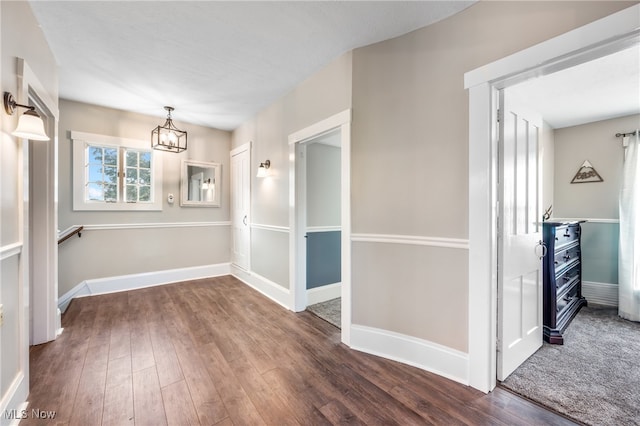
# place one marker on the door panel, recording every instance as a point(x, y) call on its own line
point(519, 267)
point(240, 208)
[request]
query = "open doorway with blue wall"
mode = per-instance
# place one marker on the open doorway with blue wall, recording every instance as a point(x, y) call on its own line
point(323, 226)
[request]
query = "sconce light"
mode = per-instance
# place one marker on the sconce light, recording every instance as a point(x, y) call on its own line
point(30, 125)
point(262, 169)
point(209, 188)
point(168, 137)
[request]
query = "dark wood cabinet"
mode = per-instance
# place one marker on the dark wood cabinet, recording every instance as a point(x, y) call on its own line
point(562, 278)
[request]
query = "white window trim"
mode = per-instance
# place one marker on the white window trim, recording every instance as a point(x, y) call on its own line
point(79, 141)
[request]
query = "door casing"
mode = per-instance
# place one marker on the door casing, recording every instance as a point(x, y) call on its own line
point(597, 39)
point(297, 217)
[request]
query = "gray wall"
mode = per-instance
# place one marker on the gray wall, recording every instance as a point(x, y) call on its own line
point(104, 253)
point(323, 185)
point(409, 166)
point(410, 120)
point(323, 210)
point(322, 95)
point(597, 143)
point(20, 37)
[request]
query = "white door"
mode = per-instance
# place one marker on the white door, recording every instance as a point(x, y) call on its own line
point(240, 206)
point(520, 234)
point(195, 187)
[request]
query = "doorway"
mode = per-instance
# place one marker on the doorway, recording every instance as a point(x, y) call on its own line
point(240, 173)
point(39, 225)
point(318, 180)
point(603, 37)
point(590, 104)
point(336, 128)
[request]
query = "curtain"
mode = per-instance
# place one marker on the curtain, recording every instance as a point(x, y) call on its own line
point(629, 250)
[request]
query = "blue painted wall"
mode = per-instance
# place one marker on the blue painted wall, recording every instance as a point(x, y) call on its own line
point(323, 258)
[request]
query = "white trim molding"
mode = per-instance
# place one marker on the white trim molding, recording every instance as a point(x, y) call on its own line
point(600, 293)
point(12, 402)
point(323, 293)
point(592, 41)
point(590, 220)
point(429, 356)
point(324, 228)
point(274, 228)
point(120, 283)
point(272, 290)
point(119, 226)
point(321, 127)
point(339, 122)
point(10, 250)
point(416, 240)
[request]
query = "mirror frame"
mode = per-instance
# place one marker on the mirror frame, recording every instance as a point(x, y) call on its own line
point(184, 184)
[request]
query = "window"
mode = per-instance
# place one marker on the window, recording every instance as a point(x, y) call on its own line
point(115, 174)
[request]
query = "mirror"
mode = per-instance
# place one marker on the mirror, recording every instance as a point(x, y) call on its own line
point(200, 184)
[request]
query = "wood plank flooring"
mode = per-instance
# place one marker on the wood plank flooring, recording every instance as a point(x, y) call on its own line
point(215, 352)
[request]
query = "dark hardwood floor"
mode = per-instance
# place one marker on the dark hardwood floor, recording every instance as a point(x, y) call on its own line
point(215, 352)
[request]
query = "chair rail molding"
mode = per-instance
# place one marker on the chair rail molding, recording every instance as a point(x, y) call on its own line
point(10, 250)
point(456, 243)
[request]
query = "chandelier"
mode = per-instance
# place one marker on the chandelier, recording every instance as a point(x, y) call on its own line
point(168, 137)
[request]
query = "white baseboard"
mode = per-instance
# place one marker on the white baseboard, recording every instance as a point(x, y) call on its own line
point(137, 281)
point(324, 293)
point(13, 401)
point(273, 291)
point(438, 359)
point(600, 293)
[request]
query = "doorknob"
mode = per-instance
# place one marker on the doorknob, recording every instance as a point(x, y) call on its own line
point(244, 220)
point(544, 249)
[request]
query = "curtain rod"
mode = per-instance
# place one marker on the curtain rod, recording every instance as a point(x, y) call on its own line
point(626, 134)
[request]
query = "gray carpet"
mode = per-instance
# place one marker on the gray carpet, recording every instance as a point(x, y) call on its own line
point(594, 377)
point(328, 311)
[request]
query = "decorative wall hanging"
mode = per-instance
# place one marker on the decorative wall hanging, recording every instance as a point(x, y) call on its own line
point(587, 174)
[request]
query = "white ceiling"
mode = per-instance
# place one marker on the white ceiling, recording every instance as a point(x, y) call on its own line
point(217, 62)
point(604, 88)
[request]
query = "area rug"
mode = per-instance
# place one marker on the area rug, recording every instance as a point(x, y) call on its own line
point(594, 378)
point(328, 311)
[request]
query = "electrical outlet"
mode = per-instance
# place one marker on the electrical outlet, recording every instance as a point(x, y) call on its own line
point(1, 315)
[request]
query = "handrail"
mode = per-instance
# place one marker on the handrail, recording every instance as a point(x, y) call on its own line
point(71, 233)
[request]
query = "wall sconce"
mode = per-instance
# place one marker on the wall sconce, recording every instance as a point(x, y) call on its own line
point(209, 188)
point(168, 137)
point(262, 169)
point(30, 125)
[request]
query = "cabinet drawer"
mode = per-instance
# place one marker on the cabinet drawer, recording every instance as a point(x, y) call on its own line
point(567, 278)
point(566, 235)
point(565, 299)
point(566, 257)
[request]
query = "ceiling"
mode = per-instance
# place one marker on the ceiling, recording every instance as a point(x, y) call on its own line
point(604, 88)
point(217, 62)
point(220, 62)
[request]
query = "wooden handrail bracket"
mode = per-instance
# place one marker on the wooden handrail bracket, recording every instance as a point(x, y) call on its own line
point(76, 230)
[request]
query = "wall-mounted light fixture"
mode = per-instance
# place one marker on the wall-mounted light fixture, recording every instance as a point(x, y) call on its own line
point(262, 169)
point(209, 188)
point(168, 137)
point(30, 125)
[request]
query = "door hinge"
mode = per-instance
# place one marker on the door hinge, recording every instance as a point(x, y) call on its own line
point(498, 115)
